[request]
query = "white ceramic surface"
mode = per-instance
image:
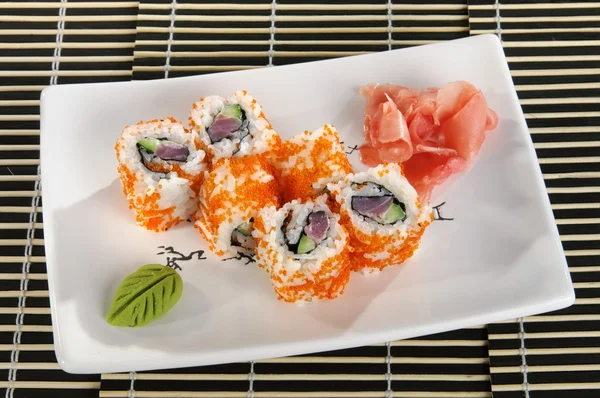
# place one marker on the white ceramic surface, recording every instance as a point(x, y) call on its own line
point(500, 258)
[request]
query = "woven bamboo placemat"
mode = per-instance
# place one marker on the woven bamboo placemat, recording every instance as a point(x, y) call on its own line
point(553, 52)
point(192, 37)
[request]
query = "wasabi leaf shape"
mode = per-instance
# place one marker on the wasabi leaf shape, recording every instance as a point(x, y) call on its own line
point(145, 295)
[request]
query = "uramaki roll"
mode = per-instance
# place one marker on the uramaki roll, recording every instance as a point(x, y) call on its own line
point(383, 215)
point(232, 127)
point(230, 198)
point(306, 163)
point(161, 172)
point(304, 249)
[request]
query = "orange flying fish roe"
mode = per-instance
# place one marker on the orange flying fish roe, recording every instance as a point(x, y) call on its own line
point(325, 159)
point(303, 285)
point(322, 285)
point(218, 205)
point(365, 245)
point(145, 203)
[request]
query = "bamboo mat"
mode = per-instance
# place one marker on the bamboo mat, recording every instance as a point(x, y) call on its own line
point(211, 36)
point(553, 52)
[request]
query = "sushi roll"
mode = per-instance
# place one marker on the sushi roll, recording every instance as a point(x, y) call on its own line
point(304, 249)
point(306, 163)
point(230, 198)
point(232, 127)
point(383, 215)
point(161, 172)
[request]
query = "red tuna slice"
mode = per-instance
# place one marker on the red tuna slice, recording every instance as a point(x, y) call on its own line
point(426, 170)
point(452, 97)
point(168, 150)
point(318, 223)
point(223, 127)
point(372, 206)
point(465, 131)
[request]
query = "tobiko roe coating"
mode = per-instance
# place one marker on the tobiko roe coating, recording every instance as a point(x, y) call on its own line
point(306, 163)
point(232, 194)
point(304, 249)
point(161, 172)
point(383, 215)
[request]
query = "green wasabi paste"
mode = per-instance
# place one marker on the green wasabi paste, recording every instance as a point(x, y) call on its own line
point(145, 295)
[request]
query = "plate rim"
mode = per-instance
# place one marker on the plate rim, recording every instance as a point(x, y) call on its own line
point(73, 365)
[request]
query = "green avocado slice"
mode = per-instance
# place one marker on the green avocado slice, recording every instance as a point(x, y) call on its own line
point(149, 144)
point(245, 229)
point(393, 214)
point(232, 111)
point(306, 245)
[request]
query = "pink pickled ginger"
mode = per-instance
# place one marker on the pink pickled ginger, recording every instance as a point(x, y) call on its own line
point(433, 133)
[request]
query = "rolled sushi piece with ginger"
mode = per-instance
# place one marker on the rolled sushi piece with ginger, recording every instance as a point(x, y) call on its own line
point(232, 127)
point(383, 215)
point(304, 249)
point(161, 172)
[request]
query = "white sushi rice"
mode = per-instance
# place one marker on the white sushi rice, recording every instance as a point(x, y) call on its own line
point(286, 264)
point(173, 190)
point(227, 228)
point(261, 138)
point(388, 176)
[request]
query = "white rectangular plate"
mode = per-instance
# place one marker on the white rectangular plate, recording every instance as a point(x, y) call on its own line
point(500, 258)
